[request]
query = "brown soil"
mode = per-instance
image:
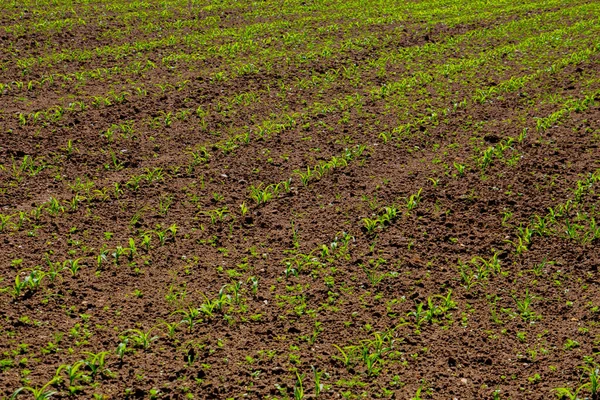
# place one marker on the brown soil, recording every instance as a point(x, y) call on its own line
point(257, 346)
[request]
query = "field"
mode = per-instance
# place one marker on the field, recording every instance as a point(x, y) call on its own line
point(299, 199)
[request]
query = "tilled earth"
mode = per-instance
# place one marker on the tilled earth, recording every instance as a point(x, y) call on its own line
point(136, 213)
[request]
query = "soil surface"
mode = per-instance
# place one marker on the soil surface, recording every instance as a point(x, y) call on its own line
point(299, 200)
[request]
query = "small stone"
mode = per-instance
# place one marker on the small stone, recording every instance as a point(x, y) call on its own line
point(464, 381)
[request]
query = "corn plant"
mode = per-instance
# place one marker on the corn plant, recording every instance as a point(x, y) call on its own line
point(118, 253)
point(74, 372)
point(413, 201)
point(42, 393)
point(134, 182)
point(298, 387)
point(305, 177)
point(447, 302)
point(172, 229)
point(54, 270)
point(263, 195)
point(115, 163)
point(132, 249)
point(253, 285)
point(34, 280)
point(385, 218)
point(524, 307)
point(317, 378)
point(153, 175)
point(72, 265)
point(96, 362)
point(54, 207)
point(171, 329)
point(189, 317)
point(345, 354)
point(593, 378)
point(418, 314)
point(122, 349)
point(4, 220)
point(486, 158)
point(216, 215)
point(460, 168)
point(17, 288)
point(164, 203)
point(370, 224)
point(140, 338)
point(101, 258)
point(146, 241)
point(374, 277)
point(567, 393)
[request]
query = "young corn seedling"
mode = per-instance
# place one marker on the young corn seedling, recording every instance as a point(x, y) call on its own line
point(43, 393)
point(261, 196)
point(189, 317)
point(72, 265)
point(467, 276)
point(34, 279)
point(146, 241)
point(524, 307)
point(491, 265)
point(96, 362)
point(4, 220)
point(208, 307)
point(153, 175)
point(315, 333)
point(345, 355)
point(74, 374)
point(115, 164)
point(486, 158)
point(374, 277)
point(101, 258)
point(305, 177)
point(460, 168)
point(22, 220)
point(447, 302)
point(432, 311)
point(54, 207)
point(54, 270)
point(389, 215)
point(572, 230)
point(172, 229)
point(318, 375)
point(18, 287)
point(413, 201)
point(70, 148)
point(567, 393)
point(171, 329)
point(419, 315)
point(134, 182)
point(236, 288)
point(164, 203)
point(222, 300)
point(253, 281)
point(371, 361)
point(370, 224)
point(593, 378)
point(290, 270)
point(121, 350)
point(140, 338)
point(216, 215)
point(298, 387)
point(118, 253)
